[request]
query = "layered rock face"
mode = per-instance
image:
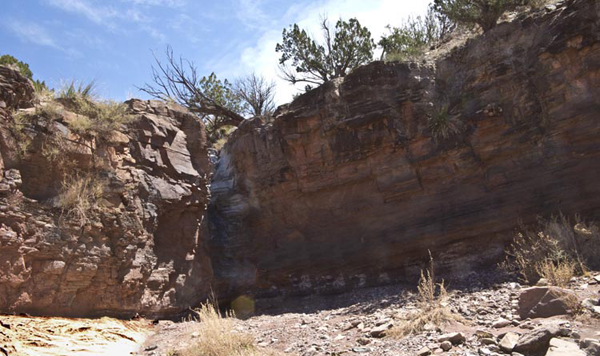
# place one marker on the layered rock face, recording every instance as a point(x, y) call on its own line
point(138, 248)
point(354, 182)
point(350, 185)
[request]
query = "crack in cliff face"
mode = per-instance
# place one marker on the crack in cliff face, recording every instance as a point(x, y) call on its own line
point(349, 185)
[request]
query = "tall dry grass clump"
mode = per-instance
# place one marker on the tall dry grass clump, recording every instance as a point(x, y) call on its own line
point(79, 195)
point(432, 304)
point(556, 250)
point(218, 337)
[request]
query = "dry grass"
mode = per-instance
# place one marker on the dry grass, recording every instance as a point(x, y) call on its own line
point(79, 196)
point(557, 273)
point(557, 250)
point(432, 302)
point(217, 337)
point(97, 118)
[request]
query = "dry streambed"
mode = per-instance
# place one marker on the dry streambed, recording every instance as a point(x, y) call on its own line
point(357, 323)
point(40, 336)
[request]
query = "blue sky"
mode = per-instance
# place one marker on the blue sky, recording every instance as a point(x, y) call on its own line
point(112, 41)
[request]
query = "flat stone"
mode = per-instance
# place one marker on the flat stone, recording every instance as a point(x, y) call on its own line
point(509, 341)
point(454, 338)
point(379, 331)
point(362, 350)
point(488, 341)
point(425, 351)
point(500, 323)
point(560, 347)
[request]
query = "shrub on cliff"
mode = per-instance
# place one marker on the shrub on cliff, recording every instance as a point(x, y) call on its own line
point(78, 196)
point(24, 69)
point(484, 13)
point(96, 117)
point(344, 48)
point(556, 250)
point(414, 36)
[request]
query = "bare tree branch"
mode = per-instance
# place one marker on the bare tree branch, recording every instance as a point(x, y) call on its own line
point(258, 93)
point(178, 79)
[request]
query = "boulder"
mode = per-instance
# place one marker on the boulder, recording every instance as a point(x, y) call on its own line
point(544, 302)
point(509, 341)
point(454, 338)
point(500, 323)
point(446, 345)
point(559, 347)
point(379, 331)
point(537, 341)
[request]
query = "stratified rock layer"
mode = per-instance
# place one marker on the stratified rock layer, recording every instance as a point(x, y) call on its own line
point(352, 184)
point(139, 249)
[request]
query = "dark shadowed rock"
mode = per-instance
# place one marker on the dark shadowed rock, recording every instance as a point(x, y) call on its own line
point(16, 91)
point(536, 342)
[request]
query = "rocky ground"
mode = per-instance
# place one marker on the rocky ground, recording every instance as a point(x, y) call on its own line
point(356, 324)
point(39, 336)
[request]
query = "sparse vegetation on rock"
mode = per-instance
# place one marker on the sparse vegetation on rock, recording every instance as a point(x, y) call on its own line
point(483, 13)
point(413, 37)
point(344, 48)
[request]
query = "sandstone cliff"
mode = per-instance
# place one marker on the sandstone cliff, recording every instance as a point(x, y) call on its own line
point(356, 180)
point(138, 248)
point(350, 185)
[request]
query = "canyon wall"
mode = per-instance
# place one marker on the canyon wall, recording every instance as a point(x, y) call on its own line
point(355, 181)
point(350, 185)
point(138, 248)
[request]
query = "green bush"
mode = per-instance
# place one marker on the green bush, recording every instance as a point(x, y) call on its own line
point(7, 59)
point(442, 125)
point(98, 118)
point(412, 38)
point(74, 90)
point(484, 13)
point(24, 69)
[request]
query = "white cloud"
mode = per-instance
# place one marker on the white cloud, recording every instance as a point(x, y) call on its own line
point(33, 33)
point(167, 3)
point(261, 57)
point(97, 14)
point(250, 13)
point(109, 16)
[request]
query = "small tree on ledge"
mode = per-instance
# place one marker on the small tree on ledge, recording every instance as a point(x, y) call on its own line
point(346, 47)
point(484, 13)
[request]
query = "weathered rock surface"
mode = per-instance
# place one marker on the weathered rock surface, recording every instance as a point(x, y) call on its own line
point(15, 90)
point(544, 302)
point(559, 347)
point(536, 342)
point(509, 341)
point(139, 249)
point(349, 187)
